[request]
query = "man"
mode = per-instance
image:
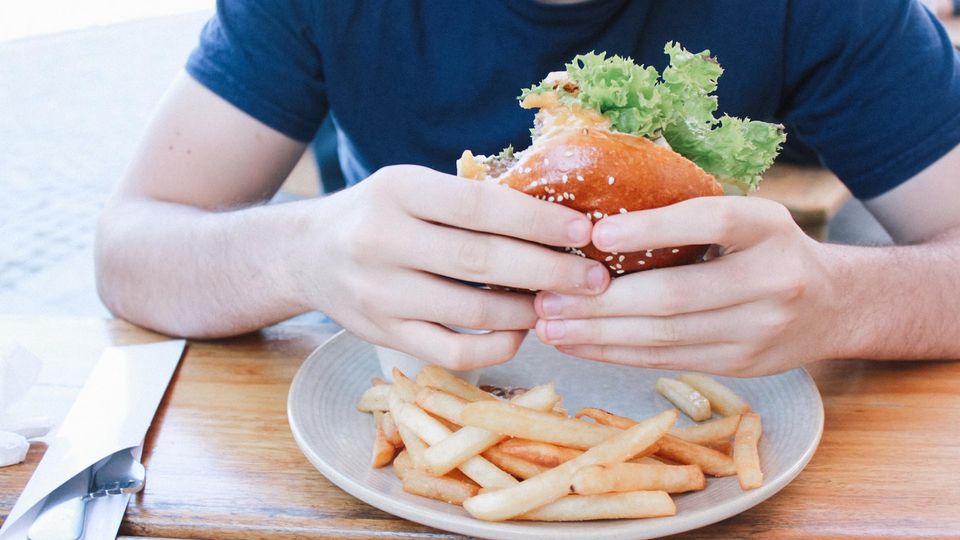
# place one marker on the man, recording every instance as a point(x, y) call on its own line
point(187, 248)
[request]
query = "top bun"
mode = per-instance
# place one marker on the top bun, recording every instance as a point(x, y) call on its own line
point(601, 173)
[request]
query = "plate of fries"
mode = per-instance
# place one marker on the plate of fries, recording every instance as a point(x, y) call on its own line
point(573, 449)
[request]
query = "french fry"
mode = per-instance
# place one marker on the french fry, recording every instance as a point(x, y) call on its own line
point(720, 429)
point(375, 398)
point(413, 446)
point(712, 462)
point(638, 504)
point(606, 418)
point(543, 454)
point(470, 441)
point(432, 431)
point(405, 388)
point(441, 404)
point(624, 477)
point(441, 488)
point(509, 419)
point(724, 447)
point(555, 483)
point(745, 454)
point(723, 400)
point(686, 398)
point(441, 379)
point(383, 451)
point(518, 467)
point(390, 430)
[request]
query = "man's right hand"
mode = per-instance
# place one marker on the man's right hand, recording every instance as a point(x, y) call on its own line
point(385, 266)
point(184, 247)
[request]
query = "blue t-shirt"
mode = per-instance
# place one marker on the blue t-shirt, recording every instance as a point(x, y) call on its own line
point(872, 86)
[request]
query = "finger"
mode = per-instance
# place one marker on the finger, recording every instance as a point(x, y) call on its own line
point(728, 221)
point(498, 260)
point(490, 207)
point(723, 282)
point(718, 359)
point(459, 352)
point(415, 295)
point(710, 327)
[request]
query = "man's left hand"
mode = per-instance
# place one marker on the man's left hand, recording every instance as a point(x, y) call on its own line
point(763, 305)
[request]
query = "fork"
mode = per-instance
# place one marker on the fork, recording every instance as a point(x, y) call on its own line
point(120, 474)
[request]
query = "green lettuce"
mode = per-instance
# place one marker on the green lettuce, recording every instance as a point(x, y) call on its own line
point(678, 105)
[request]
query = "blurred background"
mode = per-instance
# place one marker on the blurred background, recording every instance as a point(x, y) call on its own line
point(78, 81)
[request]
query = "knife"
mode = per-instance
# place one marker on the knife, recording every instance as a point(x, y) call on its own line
point(61, 517)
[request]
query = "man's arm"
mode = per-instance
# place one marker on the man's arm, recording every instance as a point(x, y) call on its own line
point(184, 247)
point(775, 299)
point(173, 253)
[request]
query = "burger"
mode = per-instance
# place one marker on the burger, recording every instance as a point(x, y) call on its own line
point(614, 137)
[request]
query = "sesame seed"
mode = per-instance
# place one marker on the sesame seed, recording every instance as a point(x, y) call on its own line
point(621, 258)
point(608, 258)
point(674, 250)
point(614, 252)
point(589, 215)
point(612, 267)
point(572, 196)
point(620, 271)
point(550, 198)
point(642, 262)
point(611, 180)
point(623, 210)
point(649, 253)
point(619, 266)
point(579, 178)
point(564, 179)
point(597, 214)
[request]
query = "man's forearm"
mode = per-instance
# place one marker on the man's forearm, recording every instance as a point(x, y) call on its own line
point(900, 302)
point(190, 272)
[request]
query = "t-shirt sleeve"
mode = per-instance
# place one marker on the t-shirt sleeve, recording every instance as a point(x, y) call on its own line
point(873, 87)
point(261, 56)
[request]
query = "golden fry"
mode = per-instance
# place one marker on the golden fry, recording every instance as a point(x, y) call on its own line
point(518, 467)
point(723, 400)
point(441, 379)
point(543, 454)
point(712, 462)
point(442, 488)
point(509, 419)
point(720, 429)
point(623, 477)
point(376, 398)
point(383, 451)
point(685, 397)
point(745, 454)
point(637, 504)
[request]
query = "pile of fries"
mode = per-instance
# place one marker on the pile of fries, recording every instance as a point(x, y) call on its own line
point(526, 459)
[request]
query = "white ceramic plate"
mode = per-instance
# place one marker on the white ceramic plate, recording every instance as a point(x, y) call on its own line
point(337, 438)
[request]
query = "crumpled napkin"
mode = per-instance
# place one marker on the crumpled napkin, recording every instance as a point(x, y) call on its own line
point(19, 370)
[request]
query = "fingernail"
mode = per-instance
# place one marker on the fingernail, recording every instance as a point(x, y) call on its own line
point(596, 277)
point(579, 232)
point(555, 329)
point(606, 235)
point(550, 304)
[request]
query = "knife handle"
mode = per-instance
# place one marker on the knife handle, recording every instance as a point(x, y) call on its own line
point(62, 516)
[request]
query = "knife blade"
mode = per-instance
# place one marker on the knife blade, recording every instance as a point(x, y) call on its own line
point(61, 517)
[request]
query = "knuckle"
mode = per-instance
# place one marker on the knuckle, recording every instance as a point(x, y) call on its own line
point(671, 295)
point(362, 237)
point(475, 314)
point(474, 255)
point(666, 332)
point(470, 207)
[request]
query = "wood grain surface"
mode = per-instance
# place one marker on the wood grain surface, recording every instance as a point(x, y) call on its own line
point(222, 464)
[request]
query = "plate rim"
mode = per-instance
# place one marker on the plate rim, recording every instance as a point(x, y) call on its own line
point(465, 524)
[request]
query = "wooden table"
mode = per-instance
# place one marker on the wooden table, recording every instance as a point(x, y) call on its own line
point(222, 464)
